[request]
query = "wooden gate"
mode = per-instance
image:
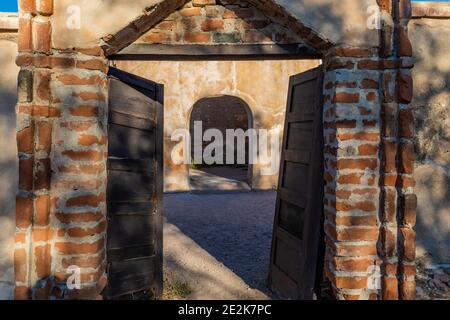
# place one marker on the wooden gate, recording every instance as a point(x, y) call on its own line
point(299, 207)
point(135, 186)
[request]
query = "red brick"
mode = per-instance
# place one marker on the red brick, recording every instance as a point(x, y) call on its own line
point(355, 233)
point(406, 119)
point(22, 293)
point(98, 96)
point(405, 182)
point(84, 111)
point(389, 156)
point(92, 64)
point(25, 139)
point(24, 39)
point(407, 290)
point(405, 87)
point(74, 80)
point(89, 140)
point(351, 178)
point(191, 12)
point(404, 45)
point(354, 52)
point(46, 7)
point(43, 261)
point(389, 205)
point(345, 124)
point(43, 79)
point(368, 150)
point(79, 248)
point(369, 64)
point(87, 200)
point(92, 261)
point(42, 174)
point(78, 126)
point(360, 164)
point(85, 155)
point(408, 207)
point(212, 25)
point(42, 234)
point(406, 158)
point(363, 136)
point(344, 97)
point(27, 6)
point(24, 212)
point(85, 232)
point(79, 217)
point(389, 288)
point(157, 37)
point(352, 265)
point(42, 208)
point(354, 282)
point(407, 244)
point(44, 142)
point(42, 36)
point(371, 96)
point(369, 84)
point(26, 174)
point(367, 206)
point(83, 169)
point(197, 37)
point(20, 265)
point(349, 221)
point(388, 242)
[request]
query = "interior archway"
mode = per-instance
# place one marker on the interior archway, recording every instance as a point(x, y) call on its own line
point(228, 116)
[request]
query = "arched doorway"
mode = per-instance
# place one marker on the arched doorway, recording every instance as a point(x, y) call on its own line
point(230, 168)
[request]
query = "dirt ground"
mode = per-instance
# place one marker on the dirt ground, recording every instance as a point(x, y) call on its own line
point(220, 243)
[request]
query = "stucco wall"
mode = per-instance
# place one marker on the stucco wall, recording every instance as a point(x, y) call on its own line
point(8, 162)
point(342, 21)
point(262, 85)
point(430, 38)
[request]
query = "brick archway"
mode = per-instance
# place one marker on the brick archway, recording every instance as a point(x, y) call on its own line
point(369, 202)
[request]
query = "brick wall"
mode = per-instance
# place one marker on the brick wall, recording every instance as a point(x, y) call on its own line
point(219, 22)
point(369, 159)
point(60, 207)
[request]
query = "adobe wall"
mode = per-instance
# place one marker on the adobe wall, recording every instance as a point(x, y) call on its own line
point(8, 157)
point(262, 85)
point(432, 140)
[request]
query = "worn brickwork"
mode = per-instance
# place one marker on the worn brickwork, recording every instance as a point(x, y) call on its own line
point(211, 22)
point(60, 207)
point(369, 159)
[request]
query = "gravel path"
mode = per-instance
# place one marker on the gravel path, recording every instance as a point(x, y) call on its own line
point(235, 229)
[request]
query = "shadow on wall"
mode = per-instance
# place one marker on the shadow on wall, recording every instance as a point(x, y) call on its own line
point(8, 164)
point(432, 137)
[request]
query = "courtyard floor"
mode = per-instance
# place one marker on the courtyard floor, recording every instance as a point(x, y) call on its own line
point(220, 243)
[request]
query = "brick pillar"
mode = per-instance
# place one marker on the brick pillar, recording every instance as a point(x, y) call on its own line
point(370, 206)
point(398, 202)
point(352, 137)
point(61, 131)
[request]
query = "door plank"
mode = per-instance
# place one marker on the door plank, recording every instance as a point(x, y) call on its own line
point(299, 207)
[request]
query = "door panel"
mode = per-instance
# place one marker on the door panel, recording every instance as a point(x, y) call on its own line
point(134, 190)
point(299, 208)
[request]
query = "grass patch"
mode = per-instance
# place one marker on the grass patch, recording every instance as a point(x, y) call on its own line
point(175, 289)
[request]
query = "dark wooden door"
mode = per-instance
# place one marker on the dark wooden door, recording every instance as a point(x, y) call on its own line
point(299, 207)
point(135, 186)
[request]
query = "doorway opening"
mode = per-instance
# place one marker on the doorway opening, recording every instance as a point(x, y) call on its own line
point(229, 170)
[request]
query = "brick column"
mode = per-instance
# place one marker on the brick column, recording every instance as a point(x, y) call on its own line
point(369, 160)
point(352, 137)
point(398, 202)
point(62, 154)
